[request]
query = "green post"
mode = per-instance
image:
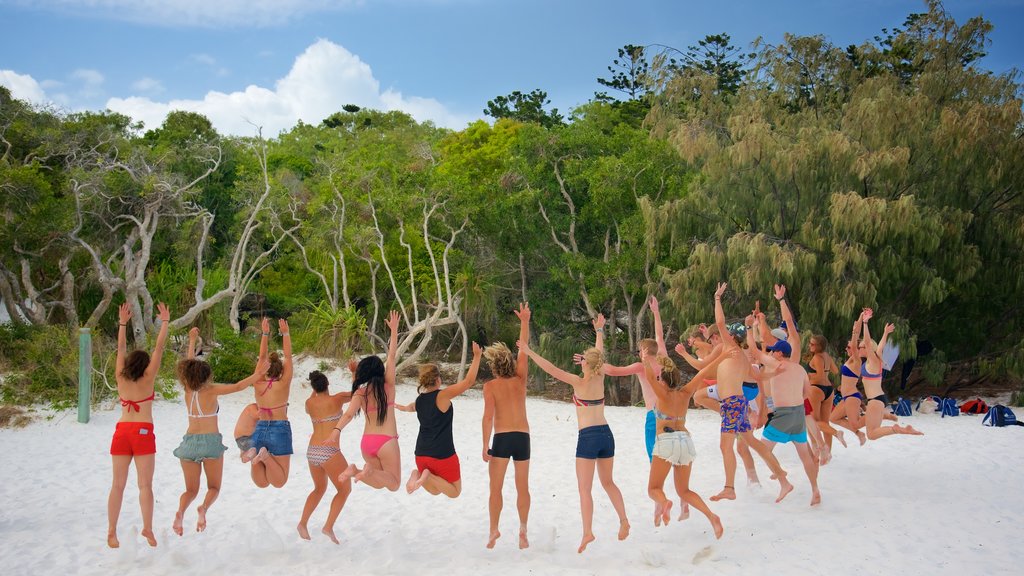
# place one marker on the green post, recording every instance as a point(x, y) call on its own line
point(84, 374)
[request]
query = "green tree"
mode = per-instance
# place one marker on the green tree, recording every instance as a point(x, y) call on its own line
point(524, 108)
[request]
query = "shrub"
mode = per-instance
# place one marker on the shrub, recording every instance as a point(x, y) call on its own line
point(233, 357)
point(41, 364)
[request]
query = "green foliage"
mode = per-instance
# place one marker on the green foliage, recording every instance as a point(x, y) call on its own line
point(524, 108)
point(334, 334)
point(1017, 398)
point(234, 356)
point(40, 365)
point(629, 73)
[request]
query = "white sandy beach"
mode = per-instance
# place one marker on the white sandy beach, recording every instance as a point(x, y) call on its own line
point(945, 503)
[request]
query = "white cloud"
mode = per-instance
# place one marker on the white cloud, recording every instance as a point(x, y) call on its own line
point(201, 13)
point(211, 63)
point(148, 85)
point(23, 87)
point(323, 79)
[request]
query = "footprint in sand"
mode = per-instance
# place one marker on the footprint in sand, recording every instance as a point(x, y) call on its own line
point(652, 557)
point(703, 555)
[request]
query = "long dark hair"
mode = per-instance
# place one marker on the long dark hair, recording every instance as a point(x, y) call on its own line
point(370, 371)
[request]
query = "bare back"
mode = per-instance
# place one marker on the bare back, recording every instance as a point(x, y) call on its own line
point(591, 388)
point(324, 411)
point(733, 371)
point(136, 398)
point(509, 396)
point(789, 384)
point(272, 396)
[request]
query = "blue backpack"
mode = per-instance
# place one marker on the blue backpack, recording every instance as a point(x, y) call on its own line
point(949, 407)
point(903, 408)
point(1000, 416)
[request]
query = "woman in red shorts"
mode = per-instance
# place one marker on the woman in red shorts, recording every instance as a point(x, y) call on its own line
point(437, 465)
point(133, 436)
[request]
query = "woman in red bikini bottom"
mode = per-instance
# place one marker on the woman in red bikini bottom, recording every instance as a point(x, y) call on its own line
point(437, 465)
point(373, 390)
point(133, 436)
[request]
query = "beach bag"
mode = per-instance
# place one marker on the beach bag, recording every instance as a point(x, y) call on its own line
point(1000, 416)
point(902, 408)
point(949, 407)
point(928, 405)
point(976, 406)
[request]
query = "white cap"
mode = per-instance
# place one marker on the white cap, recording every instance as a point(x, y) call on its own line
point(780, 334)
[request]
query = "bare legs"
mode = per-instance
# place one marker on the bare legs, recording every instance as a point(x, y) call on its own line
point(144, 466)
point(270, 470)
point(381, 471)
point(192, 471)
point(874, 423)
point(585, 481)
point(729, 492)
point(432, 483)
point(331, 469)
point(117, 485)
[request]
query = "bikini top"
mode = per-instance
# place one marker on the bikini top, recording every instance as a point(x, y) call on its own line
point(372, 408)
point(844, 370)
point(196, 411)
point(261, 409)
point(327, 419)
point(135, 403)
point(810, 370)
point(581, 402)
point(865, 374)
point(662, 416)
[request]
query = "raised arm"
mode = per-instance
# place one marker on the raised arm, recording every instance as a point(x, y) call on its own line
point(659, 331)
point(723, 330)
point(522, 361)
point(286, 344)
point(695, 362)
point(450, 392)
point(193, 335)
point(787, 315)
point(760, 355)
point(698, 381)
point(551, 369)
point(124, 314)
point(889, 328)
point(865, 334)
point(390, 363)
point(855, 334)
point(264, 336)
point(598, 324)
point(161, 340)
point(634, 368)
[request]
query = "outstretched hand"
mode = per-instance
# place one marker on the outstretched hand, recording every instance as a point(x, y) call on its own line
point(703, 330)
point(262, 365)
point(722, 286)
point(780, 291)
point(680, 349)
point(599, 322)
point(353, 364)
point(866, 314)
point(124, 313)
point(392, 321)
point(193, 334)
point(524, 346)
point(477, 350)
point(524, 311)
point(654, 304)
point(163, 313)
point(889, 328)
point(577, 359)
point(282, 325)
point(265, 325)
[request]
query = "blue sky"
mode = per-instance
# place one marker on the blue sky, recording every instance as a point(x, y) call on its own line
point(273, 62)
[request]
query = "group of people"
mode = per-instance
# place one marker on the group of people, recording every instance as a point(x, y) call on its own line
point(747, 372)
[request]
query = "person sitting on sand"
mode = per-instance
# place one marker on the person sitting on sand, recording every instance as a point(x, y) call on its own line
point(373, 390)
point(272, 438)
point(326, 462)
point(505, 416)
point(673, 448)
point(437, 464)
point(595, 445)
point(202, 447)
point(133, 437)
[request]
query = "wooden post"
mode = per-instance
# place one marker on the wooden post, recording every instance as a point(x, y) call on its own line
point(84, 374)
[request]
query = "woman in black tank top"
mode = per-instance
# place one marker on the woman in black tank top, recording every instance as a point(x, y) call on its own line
point(437, 465)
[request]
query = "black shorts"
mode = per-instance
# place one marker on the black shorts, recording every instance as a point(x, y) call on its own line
point(514, 445)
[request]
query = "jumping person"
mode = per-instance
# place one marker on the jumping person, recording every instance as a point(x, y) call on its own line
point(326, 462)
point(373, 391)
point(133, 437)
point(202, 447)
point(437, 464)
point(505, 416)
point(673, 447)
point(871, 376)
point(272, 438)
point(848, 413)
point(595, 445)
point(244, 427)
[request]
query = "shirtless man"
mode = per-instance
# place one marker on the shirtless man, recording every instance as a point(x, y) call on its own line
point(788, 385)
point(652, 349)
point(505, 416)
point(732, 372)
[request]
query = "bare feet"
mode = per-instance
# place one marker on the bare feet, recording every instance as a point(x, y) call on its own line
point(685, 512)
point(348, 473)
point(716, 524)
point(839, 436)
point(303, 532)
point(201, 523)
point(659, 512)
point(423, 477)
point(824, 456)
point(727, 493)
point(262, 455)
point(752, 479)
point(666, 515)
point(148, 535)
point(248, 455)
point(329, 532)
point(891, 416)
point(176, 526)
point(624, 525)
point(784, 488)
point(112, 540)
point(493, 538)
point(587, 539)
point(523, 541)
point(861, 437)
point(361, 474)
point(908, 429)
point(410, 485)
point(815, 498)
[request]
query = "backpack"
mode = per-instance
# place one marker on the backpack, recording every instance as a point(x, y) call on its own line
point(903, 408)
point(1000, 416)
point(949, 407)
point(976, 406)
point(928, 405)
